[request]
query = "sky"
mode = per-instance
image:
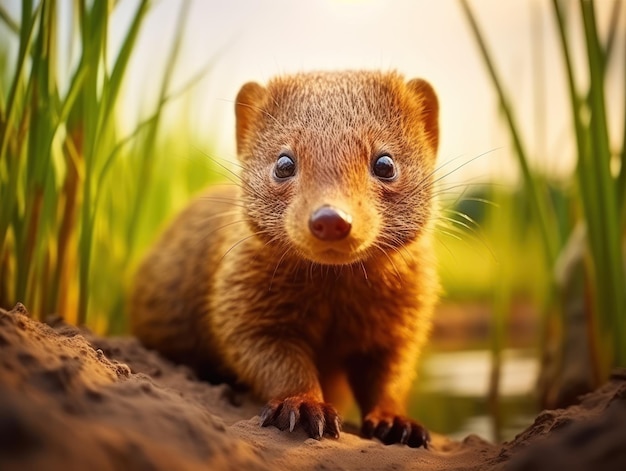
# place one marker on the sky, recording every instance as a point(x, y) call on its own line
point(253, 40)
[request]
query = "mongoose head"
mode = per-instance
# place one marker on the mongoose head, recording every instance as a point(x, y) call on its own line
point(338, 166)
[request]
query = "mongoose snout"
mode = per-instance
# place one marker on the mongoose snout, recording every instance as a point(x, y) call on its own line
point(328, 223)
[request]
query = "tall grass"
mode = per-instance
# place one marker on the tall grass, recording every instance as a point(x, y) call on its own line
point(72, 182)
point(599, 201)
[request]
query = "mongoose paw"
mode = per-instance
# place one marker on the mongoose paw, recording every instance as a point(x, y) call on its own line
point(391, 429)
point(316, 418)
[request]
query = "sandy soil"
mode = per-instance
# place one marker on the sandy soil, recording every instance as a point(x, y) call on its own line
point(73, 401)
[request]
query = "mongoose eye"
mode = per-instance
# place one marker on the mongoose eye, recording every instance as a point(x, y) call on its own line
point(285, 167)
point(384, 168)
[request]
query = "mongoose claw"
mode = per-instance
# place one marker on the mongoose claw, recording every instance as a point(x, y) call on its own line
point(316, 418)
point(391, 429)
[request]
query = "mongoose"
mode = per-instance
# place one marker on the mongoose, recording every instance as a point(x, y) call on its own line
point(316, 269)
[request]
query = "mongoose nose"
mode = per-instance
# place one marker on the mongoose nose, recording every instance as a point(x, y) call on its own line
point(328, 223)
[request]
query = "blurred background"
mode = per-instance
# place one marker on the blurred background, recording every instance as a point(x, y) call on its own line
point(114, 114)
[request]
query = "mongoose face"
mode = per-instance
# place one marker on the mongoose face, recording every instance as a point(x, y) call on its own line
point(337, 167)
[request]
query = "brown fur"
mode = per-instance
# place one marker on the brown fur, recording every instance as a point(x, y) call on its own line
point(240, 287)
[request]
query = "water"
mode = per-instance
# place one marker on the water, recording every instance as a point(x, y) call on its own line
point(451, 393)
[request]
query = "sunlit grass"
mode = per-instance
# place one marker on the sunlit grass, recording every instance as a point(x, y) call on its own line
point(79, 197)
point(597, 204)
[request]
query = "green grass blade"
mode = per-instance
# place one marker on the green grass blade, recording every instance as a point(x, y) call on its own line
point(72, 94)
point(613, 28)
point(29, 20)
point(116, 150)
point(94, 36)
point(10, 22)
point(621, 182)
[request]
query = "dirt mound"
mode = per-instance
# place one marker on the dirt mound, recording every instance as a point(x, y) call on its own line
point(70, 400)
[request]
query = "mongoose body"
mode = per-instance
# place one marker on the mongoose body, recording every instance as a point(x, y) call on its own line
point(316, 269)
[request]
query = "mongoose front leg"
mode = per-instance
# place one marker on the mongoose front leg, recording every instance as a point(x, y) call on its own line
point(380, 383)
point(283, 372)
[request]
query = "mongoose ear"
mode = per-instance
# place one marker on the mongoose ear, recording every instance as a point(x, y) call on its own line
point(247, 109)
point(429, 109)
